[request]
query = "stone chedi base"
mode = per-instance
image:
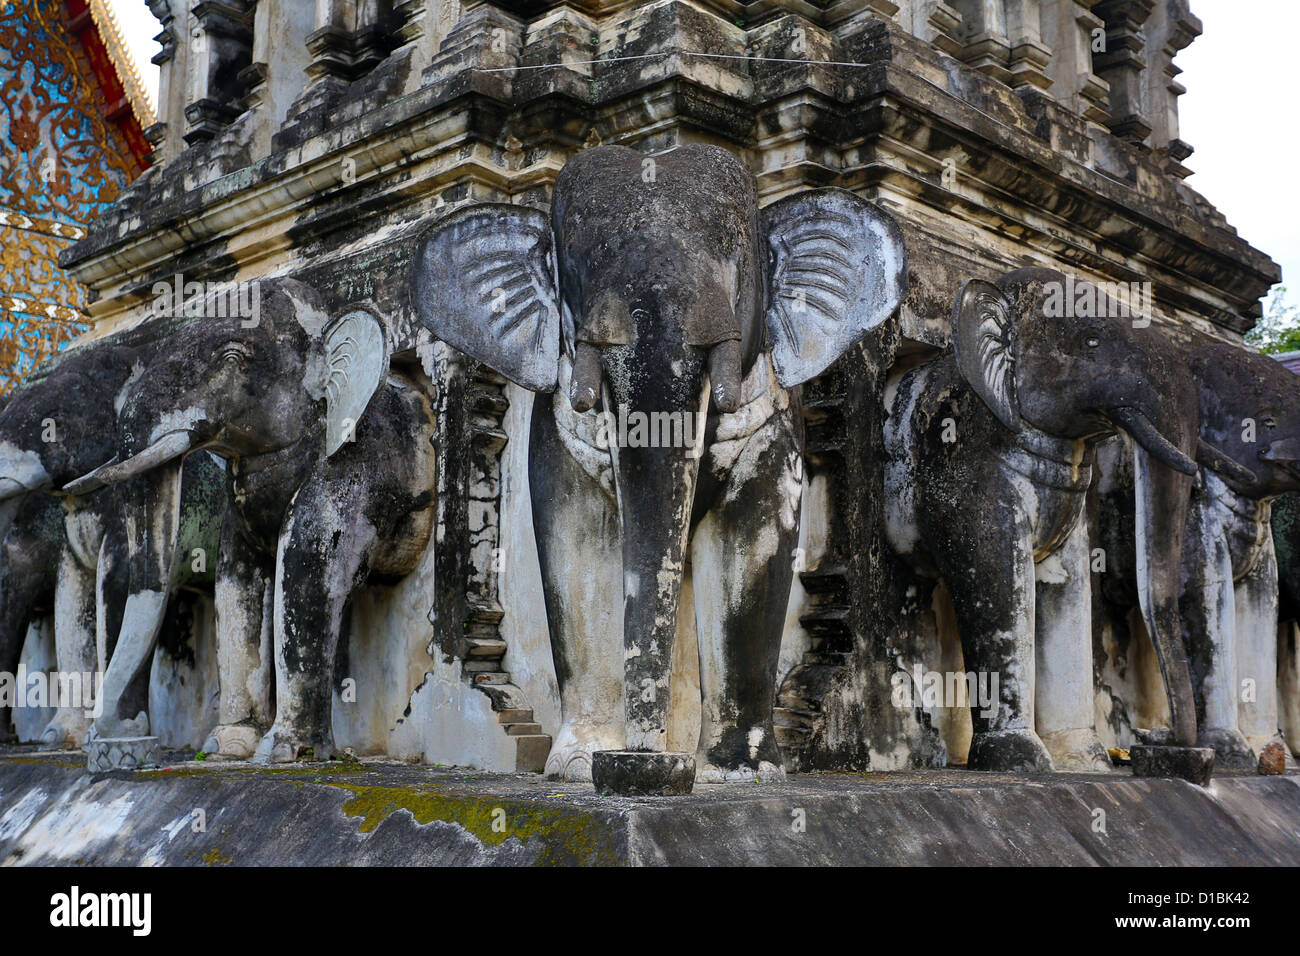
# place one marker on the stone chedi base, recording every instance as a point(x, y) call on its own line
point(359, 814)
point(105, 754)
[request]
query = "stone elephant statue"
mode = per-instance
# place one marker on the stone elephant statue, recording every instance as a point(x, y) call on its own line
point(990, 448)
point(332, 473)
point(29, 569)
point(1286, 544)
point(70, 551)
point(1250, 453)
point(52, 430)
point(657, 293)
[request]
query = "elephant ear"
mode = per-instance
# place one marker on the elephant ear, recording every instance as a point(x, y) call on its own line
point(838, 271)
point(355, 364)
point(483, 283)
point(982, 338)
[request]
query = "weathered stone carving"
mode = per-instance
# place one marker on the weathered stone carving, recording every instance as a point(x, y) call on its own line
point(664, 307)
point(1249, 450)
point(332, 476)
point(1285, 514)
point(76, 557)
point(990, 453)
point(424, 107)
point(49, 431)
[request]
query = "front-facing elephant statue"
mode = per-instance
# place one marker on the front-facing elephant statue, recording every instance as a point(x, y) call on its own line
point(663, 321)
point(990, 452)
point(332, 476)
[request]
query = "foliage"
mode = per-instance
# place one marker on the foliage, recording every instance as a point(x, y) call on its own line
point(1279, 328)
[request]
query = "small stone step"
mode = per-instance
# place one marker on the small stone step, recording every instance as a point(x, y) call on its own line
point(531, 751)
point(485, 647)
point(523, 730)
point(787, 716)
point(788, 737)
point(486, 612)
point(824, 580)
point(515, 715)
point(492, 677)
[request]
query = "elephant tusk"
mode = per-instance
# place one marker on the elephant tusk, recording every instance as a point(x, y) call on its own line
point(88, 482)
point(10, 488)
point(1222, 464)
point(1145, 434)
point(165, 449)
point(724, 375)
point(20, 474)
point(585, 386)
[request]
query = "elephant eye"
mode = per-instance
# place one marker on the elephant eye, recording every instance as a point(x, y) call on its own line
point(1270, 423)
point(1093, 341)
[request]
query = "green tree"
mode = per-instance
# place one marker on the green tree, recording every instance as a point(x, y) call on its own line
point(1278, 330)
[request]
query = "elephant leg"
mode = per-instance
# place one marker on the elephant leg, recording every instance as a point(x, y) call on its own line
point(1256, 638)
point(576, 526)
point(742, 566)
point(150, 516)
point(15, 611)
point(1288, 682)
point(1063, 685)
point(23, 584)
point(112, 585)
point(319, 563)
point(1210, 628)
point(244, 603)
point(988, 565)
point(74, 650)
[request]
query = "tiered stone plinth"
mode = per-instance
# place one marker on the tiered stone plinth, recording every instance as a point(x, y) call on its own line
point(121, 753)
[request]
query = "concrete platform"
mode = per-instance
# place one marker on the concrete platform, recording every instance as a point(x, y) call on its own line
point(189, 813)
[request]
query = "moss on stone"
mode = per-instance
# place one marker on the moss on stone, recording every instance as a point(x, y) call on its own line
point(567, 836)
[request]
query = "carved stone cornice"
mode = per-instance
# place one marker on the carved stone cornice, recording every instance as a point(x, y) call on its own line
point(883, 129)
point(1122, 63)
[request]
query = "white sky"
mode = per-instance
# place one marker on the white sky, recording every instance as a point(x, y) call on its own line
point(1240, 113)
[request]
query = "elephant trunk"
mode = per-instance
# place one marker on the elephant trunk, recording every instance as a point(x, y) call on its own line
point(656, 488)
point(1162, 501)
point(655, 471)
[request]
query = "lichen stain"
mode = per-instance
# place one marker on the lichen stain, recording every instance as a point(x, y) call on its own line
point(573, 837)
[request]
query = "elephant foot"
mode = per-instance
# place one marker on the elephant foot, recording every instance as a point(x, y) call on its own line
point(232, 742)
point(764, 772)
point(282, 746)
point(112, 728)
point(1231, 749)
point(1079, 750)
point(1009, 751)
point(570, 756)
point(7, 735)
point(741, 755)
point(68, 732)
